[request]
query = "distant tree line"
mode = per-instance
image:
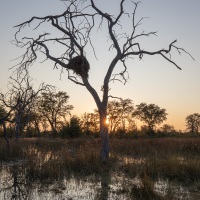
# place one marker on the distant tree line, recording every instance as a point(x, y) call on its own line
point(25, 112)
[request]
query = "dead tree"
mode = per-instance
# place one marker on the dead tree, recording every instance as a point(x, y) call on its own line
point(73, 31)
point(5, 117)
point(19, 96)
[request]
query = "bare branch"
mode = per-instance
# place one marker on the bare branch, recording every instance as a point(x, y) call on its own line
point(183, 50)
point(170, 60)
point(74, 79)
point(159, 52)
point(76, 25)
point(110, 96)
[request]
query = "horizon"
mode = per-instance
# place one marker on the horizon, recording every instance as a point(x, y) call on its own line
point(152, 80)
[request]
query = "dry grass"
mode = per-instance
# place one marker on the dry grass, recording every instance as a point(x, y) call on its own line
point(156, 147)
point(176, 160)
point(146, 191)
point(48, 158)
point(169, 159)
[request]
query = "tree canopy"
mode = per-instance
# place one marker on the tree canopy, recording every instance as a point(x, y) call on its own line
point(55, 108)
point(193, 123)
point(150, 114)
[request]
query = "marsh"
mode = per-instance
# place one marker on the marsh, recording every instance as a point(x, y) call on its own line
point(72, 169)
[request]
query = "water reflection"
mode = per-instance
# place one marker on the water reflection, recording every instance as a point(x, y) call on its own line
point(103, 192)
point(16, 183)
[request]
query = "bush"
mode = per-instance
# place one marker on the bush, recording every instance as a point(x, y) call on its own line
point(71, 129)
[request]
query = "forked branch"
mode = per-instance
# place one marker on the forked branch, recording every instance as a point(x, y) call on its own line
point(75, 25)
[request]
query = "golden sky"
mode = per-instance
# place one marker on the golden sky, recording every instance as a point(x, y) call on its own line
point(152, 80)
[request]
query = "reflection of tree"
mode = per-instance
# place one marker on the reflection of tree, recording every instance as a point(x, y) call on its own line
point(19, 187)
point(103, 193)
point(20, 184)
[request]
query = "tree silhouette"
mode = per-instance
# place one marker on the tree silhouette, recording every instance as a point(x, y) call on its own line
point(150, 114)
point(119, 113)
point(71, 32)
point(193, 123)
point(166, 128)
point(20, 96)
point(54, 107)
point(4, 117)
point(90, 122)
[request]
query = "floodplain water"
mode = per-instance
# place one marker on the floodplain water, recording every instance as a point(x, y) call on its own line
point(15, 183)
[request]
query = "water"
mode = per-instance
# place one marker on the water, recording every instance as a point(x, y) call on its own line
point(15, 183)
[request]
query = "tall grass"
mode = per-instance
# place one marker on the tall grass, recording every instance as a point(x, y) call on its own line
point(48, 158)
point(169, 159)
point(156, 146)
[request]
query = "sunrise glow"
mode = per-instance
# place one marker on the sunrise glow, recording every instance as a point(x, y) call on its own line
point(107, 119)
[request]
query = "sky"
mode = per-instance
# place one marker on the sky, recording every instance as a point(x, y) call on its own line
point(152, 79)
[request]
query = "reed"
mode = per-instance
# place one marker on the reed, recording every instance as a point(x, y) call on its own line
point(165, 158)
point(146, 191)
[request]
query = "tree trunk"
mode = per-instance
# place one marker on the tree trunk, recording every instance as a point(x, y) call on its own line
point(20, 110)
point(151, 131)
point(102, 108)
point(5, 136)
point(53, 128)
point(38, 131)
point(17, 126)
point(104, 137)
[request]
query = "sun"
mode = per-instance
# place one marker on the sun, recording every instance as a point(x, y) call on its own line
point(107, 119)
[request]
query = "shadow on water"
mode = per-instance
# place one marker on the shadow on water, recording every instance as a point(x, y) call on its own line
point(13, 183)
point(16, 184)
point(105, 181)
point(20, 180)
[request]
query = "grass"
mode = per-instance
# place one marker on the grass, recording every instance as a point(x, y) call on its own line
point(48, 158)
point(170, 159)
point(146, 191)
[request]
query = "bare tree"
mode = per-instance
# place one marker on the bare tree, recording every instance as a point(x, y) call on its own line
point(19, 96)
point(5, 117)
point(35, 116)
point(73, 34)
